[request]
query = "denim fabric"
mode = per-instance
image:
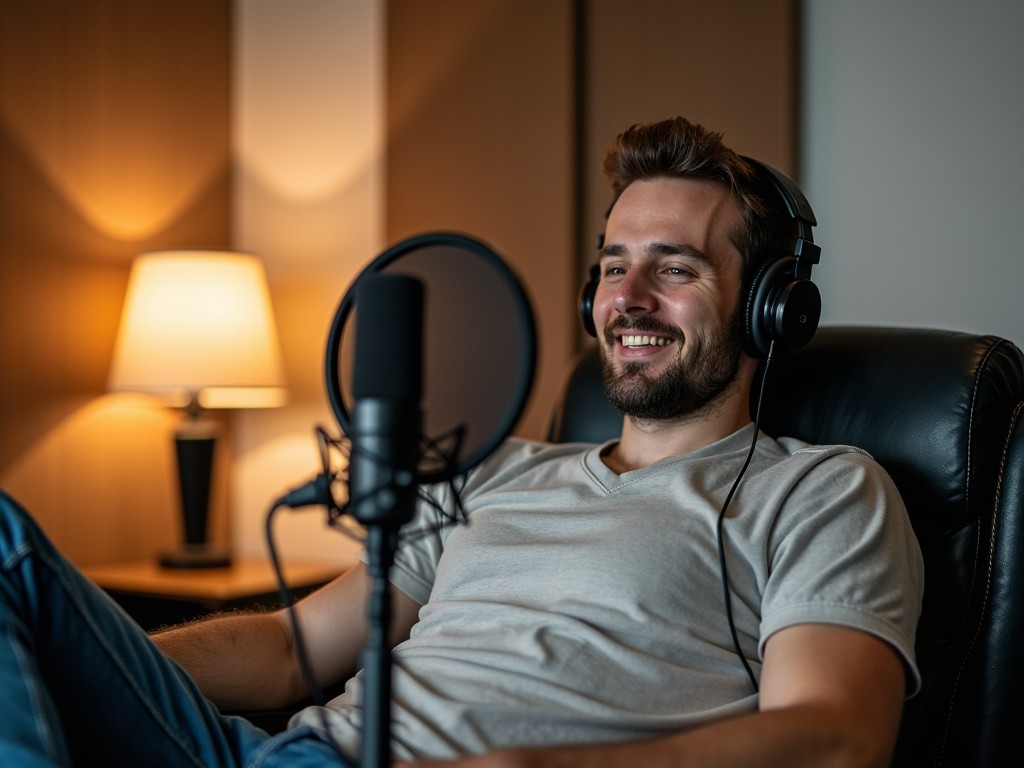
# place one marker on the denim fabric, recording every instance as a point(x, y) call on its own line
point(82, 684)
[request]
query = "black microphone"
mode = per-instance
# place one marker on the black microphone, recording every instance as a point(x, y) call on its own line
point(387, 388)
point(385, 439)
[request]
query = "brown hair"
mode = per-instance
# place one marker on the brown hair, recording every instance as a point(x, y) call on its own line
point(677, 148)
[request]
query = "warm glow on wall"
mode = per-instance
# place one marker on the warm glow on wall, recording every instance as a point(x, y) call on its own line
point(102, 101)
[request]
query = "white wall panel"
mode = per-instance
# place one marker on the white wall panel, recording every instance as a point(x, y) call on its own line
point(913, 160)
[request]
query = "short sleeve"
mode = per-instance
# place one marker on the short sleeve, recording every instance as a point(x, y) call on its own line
point(843, 552)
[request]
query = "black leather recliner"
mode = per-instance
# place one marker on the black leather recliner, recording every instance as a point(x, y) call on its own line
point(942, 412)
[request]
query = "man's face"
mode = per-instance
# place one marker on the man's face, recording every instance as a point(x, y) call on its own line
point(667, 307)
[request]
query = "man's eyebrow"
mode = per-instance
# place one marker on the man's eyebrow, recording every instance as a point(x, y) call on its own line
point(657, 249)
point(611, 250)
point(676, 249)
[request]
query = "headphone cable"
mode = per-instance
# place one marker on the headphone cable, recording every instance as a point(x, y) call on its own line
point(721, 518)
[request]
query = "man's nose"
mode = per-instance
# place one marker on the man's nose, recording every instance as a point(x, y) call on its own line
point(634, 294)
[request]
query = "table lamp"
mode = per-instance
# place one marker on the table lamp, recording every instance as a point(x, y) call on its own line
point(198, 332)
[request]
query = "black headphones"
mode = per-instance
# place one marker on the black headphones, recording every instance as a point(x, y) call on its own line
point(782, 304)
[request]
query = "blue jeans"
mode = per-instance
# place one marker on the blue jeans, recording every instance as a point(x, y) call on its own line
point(82, 684)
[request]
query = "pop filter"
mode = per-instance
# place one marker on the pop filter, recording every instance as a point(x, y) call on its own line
point(479, 351)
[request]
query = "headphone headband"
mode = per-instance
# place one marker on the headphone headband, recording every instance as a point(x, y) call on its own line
point(795, 202)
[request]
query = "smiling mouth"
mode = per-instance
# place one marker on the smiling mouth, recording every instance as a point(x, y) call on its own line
point(639, 341)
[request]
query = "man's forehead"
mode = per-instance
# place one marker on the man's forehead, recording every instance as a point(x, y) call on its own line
point(693, 194)
point(691, 215)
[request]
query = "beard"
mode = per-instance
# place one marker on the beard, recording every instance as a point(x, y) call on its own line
point(687, 386)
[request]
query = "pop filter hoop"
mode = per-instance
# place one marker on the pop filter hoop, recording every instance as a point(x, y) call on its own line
point(463, 277)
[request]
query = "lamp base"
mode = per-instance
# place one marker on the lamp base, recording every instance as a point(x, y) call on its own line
point(195, 556)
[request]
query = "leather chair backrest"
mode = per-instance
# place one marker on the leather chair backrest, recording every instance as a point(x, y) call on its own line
point(942, 412)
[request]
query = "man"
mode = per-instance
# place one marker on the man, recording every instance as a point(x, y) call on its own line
point(578, 619)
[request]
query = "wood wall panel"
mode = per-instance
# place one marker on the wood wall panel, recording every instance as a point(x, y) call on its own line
point(114, 126)
point(730, 65)
point(500, 113)
point(479, 140)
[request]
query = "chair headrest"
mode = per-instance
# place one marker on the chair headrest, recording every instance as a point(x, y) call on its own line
point(931, 406)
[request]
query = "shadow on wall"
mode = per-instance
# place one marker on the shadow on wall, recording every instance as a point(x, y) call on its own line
point(110, 144)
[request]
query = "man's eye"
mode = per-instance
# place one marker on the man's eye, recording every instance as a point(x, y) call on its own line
point(613, 271)
point(678, 271)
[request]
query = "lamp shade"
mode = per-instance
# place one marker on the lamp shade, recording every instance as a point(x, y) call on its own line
point(198, 327)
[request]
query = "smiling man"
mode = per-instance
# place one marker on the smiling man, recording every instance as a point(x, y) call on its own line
point(825, 573)
point(579, 619)
point(669, 303)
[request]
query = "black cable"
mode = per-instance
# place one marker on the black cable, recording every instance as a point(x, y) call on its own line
point(721, 518)
point(288, 600)
point(316, 693)
point(319, 493)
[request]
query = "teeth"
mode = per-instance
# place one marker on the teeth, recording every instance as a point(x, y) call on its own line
point(643, 341)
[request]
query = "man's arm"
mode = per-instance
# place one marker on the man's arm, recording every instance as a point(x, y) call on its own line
point(829, 696)
point(248, 660)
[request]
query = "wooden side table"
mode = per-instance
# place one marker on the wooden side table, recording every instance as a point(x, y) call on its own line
point(156, 597)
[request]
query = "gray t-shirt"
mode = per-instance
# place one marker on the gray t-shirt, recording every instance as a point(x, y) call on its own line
point(580, 606)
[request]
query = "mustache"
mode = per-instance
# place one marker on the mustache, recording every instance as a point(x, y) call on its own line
point(641, 324)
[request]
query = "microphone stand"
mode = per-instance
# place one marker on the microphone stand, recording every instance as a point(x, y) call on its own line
point(381, 544)
point(385, 450)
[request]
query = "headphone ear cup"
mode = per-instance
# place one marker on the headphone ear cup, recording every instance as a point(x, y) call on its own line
point(781, 308)
point(796, 313)
point(587, 293)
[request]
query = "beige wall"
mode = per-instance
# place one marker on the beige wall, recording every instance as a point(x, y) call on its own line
point(308, 197)
point(114, 139)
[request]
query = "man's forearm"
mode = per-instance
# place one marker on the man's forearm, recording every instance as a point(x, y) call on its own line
point(789, 738)
point(786, 738)
point(239, 660)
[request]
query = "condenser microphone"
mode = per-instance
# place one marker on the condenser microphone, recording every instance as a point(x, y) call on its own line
point(387, 388)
